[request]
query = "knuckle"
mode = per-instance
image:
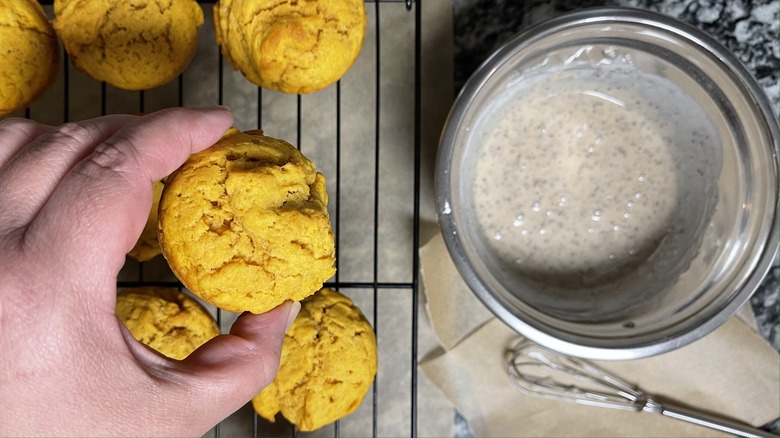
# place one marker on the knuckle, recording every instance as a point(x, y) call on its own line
point(15, 127)
point(70, 135)
point(114, 153)
point(16, 124)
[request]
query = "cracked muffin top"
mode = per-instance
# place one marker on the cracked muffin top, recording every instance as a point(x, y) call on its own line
point(328, 364)
point(244, 224)
point(30, 54)
point(130, 44)
point(291, 46)
point(165, 319)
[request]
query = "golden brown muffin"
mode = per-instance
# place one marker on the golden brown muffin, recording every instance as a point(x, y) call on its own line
point(147, 246)
point(328, 364)
point(30, 54)
point(130, 44)
point(292, 47)
point(165, 319)
point(244, 224)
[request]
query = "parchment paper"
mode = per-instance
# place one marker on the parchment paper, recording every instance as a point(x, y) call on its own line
point(453, 309)
point(732, 372)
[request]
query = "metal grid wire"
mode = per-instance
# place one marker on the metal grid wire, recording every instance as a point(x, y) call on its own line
point(406, 288)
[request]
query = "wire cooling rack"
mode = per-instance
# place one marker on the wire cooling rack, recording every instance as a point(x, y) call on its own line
point(388, 226)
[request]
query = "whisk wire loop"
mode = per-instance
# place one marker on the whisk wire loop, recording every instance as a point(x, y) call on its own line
point(537, 371)
point(541, 372)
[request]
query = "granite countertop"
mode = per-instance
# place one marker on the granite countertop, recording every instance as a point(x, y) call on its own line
point(749, 28)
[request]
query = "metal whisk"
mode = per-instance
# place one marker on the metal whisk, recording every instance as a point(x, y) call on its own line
point(539, 371)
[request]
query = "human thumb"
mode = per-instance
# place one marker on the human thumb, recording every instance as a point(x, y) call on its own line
point(227, 371)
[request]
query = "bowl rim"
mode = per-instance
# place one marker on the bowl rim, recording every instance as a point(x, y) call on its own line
point(471, 89)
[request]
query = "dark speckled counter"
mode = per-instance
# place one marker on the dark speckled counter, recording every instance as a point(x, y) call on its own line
point(749, 28)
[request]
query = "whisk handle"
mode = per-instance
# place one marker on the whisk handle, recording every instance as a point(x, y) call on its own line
point(705, 420)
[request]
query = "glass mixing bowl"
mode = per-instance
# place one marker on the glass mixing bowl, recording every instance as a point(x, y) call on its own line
point(607, 184)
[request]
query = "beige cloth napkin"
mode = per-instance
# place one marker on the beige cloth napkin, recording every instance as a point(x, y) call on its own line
point(732, 372)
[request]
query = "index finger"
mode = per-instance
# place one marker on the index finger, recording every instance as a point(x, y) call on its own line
point(102, 204)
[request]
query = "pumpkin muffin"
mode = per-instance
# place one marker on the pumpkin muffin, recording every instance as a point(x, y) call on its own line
point(165, 319)
point(292, 47)
point(148, 246)
point(130, 44)
point(328, 364)
point(30, 54)
point(245, 226)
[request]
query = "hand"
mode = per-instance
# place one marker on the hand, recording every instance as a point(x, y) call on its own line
point(73, 201)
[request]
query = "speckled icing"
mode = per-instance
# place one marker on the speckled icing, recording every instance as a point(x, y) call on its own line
point(582, 172)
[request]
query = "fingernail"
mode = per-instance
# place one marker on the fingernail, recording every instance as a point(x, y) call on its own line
point(295, 307)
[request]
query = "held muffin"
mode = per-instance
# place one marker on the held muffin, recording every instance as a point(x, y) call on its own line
point(292, 47)
point(328, 364)
point(245, 226)
point(30, 54)
point(148, 246)
point(130, 44)
point(165, 319)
